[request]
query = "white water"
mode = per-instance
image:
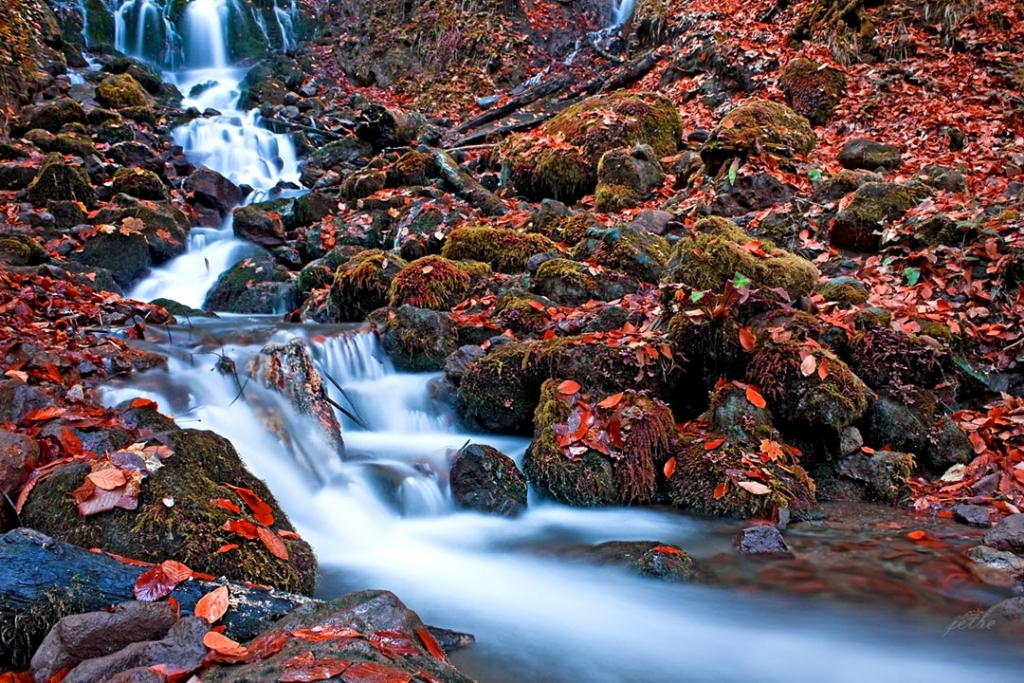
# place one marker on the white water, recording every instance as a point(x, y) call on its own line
point(204, 29)
point(621, 11)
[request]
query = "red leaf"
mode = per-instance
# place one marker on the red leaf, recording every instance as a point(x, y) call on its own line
point(273, 542)
point(107, 479)
point(213, 605)
point(978, 442)
point(316, 670)
point(370, 672)
point(223, 645)
point(807, 366)
point(823, 368)
point(536, 305)
point(227, 547)
point(670, 468)
point(226, 504)
point(242, 527)
point(176, 571)
point(549, 334)
point(394, 644)
point(431, 644)
point(260, 510)
point(721, 490)
point(667, 549)
point(568, 387)
point(755, 397)
point(319, 634)
point(916, 535)
point(43, 414)
point(290, 535)
point(144, 403)
point(713, 444)
point(747, 339)
point(611, 401)
point(71, 443)
point(152, 585)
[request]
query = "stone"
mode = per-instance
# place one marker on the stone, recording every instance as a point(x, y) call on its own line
point(943, 178)
point(456, 365)
point(757, 125)
point(59, 180)
point(213, 192)
point(652, 221)
point(883, 474)
point(748, 193)
point(121, 91)
point(51, 116)
point(253, 285)
point(763, 539)
point(258, 226)
point(812, 89)
point(418, 339)
point(973, 515)
point(1007, 535)
point(486, 480)
point(141, 184)
point(636, 168)
point(870, 155)
point(80, 637)
point(122, 251)
point(16, 453)
point(858, 225)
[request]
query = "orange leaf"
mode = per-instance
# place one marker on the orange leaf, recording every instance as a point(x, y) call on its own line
point(290, 535)
point(823, 368)
point(808, 365)
point(757, 488)
point(747, 339)
point(273, 542)
point(568, 387)
point(371, 672)
point(431, 644)
point(223, 645)
point(176, 571)
point(263, 513)
point(755, 397)
point(978, 442)
point(242, 527)
point(213, 605)
point(144, 403)
point(226, 548)
point(549, 334)
point(536, 305)
point(611, 401)
point(721, 490)
point(667, 549)
point(225, 504)
point(71, 443)
point(670, 468)
point(713, 444)
point(916, 535)
point(108, 479)
point(43, 414)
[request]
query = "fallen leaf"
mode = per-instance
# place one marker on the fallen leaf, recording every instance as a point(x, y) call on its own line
point(757, 488)
point(227, 547)
point(670, 468)
point(261, 511)
point(721, 490)
point(568, 387)
point(808, 365)
point(223, 645)
point(242, 527)
point(747, 339)
point(213, 605)
point(290, 535)
point(107, 479)
point(371, 672)
point(755, 397)
point(916, 535)
point(226, 504)
point(152, 585)
point(611, 401)
point(431, 644)
point(426, 270)
point(273, 543)
point(144, 403)
point(316, 670)
point(713, 444)
point(176, 571)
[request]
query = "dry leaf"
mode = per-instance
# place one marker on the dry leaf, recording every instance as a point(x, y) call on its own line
point(213, 605)
point(808, 365)
point(568, 387)
point(757, 488)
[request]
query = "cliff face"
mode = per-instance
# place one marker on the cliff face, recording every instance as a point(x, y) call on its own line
point(30, 53)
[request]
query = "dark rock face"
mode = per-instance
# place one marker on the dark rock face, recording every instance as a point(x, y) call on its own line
point(646, 558)
point(858, 225)
point(16, 452)
point(456, 365)
point(749, 193)
point(812, 89)
point(763, 539)
point(487, 480)
point(213, 195)
point(883, 474)
point(1007, 535)
point(418, 339)
point(973, 515)
point(123, 252)
point(58, 180)
point(51, 116)
point(870, 155)
point(259, 227)
point(257, 285)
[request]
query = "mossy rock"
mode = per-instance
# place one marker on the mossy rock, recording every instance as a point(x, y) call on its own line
point(734, 417)
point(75, 145)
point(17, 249)
point(506, 251)
point(567, 171)
point(637, 169)
point(869, 155)
point(642, 255)
point(812, 90)
point(700, 471)
point(939, 444)
point(418, 339)
point(843, 183)
point(58, 180)
point(141, 184)
point(166, 228)
point(712, 351)
point(895, 363)
point(715, 253)
point(628, 476)
point(858, 226)
point(521, 314)
point(827, 403)
point(412, 169)
point(432, 282)
point(122, 251)
point(486, 480)
point(363, 284)
point(846, 291)
point(121, 91)
point(614, 198)
point(883, 474)
point(757, 126)
point(568, 228)
point(191, 530)
point(499, 391)
point(363, 183)
point(50, 116)
point(269, 81)
point(254, 285)
point(571, 283)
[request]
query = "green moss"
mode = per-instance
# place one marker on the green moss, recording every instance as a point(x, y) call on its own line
point(707, 260)
point(591, 479)
point(566, 282)
point(21, 250)
point(412, 169)
point(614, 198)
point(845, 291)
point(712, 351)
point(757, 126)
point(520, 315)
point(506, 251)
point(873, 205)
point(191, 530)
point(77, 146)
point(58, 180)
point(498, 393)
point(567, 229)
point(121, 91)
point(140, 183)
point(567, 170)
point(430, 282)
point(812, 89)
point(418, 339)
point(640, 254)
point(363, 284)
point(884, 474)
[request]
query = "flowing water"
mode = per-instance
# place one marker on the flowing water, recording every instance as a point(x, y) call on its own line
point(383, 518)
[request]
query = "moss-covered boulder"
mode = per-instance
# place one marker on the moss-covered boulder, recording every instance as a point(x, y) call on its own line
point(166, 228)
point(712, 351)
point(486, 480)
point(870, 155)
point(757, 126)
point(499, 391)
point(17, 249)
point(362, 284)
point(844, 290)
point(253, 285)
point(191, 529)
point(561, 163)
point(843, 183)
point(363, 183)
point(812, 90)
point(719, 249)
point(51, 116)
point(121, 91)
point(617, 463)
point(938, 444)
point(254, 224)
point(642, 255)
point(418, 339)
point(572, 283)
point(897, 364)
point(59, 180)
point(435, 282)
point(827, 396)
point(412, 169)
point(874, 205)
point(269, 81)
point(140, 183)
point(650, 559)
point(121, 250)
point(553, 219)
point(506, 251)
point(625, 176)
point(882, 474)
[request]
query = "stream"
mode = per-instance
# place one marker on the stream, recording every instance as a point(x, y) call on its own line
point(384, 517)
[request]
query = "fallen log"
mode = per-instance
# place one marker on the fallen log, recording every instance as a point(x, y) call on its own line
point(467, 187)
point(552, 86)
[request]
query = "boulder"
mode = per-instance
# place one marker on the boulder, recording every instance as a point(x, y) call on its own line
point(812, 90)
point(632, 173)
point(859, 224)
point(17, 454)
point(131, 154)
point(645, 558)
point(641, 255)
point(745, 193)
point(17, 249)
point(362, 284)
point(141, 184)
point(255, 225)
point(363, 183)
point(572, 283)
point(1007, 535)
point(253, 285)
point(943, 178)
point(757, 125)
point(457, 364)
point(870, 155)
point(763, 539)
point(486, 480)
point(59, 180)
point(16, 176)
point(121, 91)
point(213, 195)
point(121, 250)
point(846, 291)
point(504, 250)
point(972, 515)
point(418, 339)
point(435, 282)
point(51, 116)
point(938, 444)
point(165, 227)
point(883, 474)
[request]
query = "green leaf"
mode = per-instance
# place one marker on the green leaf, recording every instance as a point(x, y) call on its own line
point(814, 174)
point(912, 275)
point(732, 171)
point(739, 281)
point(696, 296)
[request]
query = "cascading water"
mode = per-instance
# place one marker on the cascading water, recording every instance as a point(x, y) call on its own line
point(621, 11)
point(204, 30)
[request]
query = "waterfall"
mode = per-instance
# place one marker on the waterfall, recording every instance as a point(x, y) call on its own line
point(621, 11)
point(204, 30)
point(143, 30)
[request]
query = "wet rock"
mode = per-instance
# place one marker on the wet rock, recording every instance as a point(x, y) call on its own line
point(769, 127)
point(571, 283)
point(335, 156)
point(189, 531)
point(652, 221)
point(646, 558)
point(870, 155)
point(843, 183)
point(844, 290)
point(812, 89)
point(91, 635)
point(1008, 616)
point(943, 178)
point(255, 225)
point(253, 285)
point(883, 474)
point(141, 184)
point(973, 515)
point(165, 227)
point(412, 169)
point(635, 172)
point(640, 255)
point(135, 154)
point(362, 284)
point(121, 91)
point(456, 365)
point(16, 176)
point(733, 416)
point(59, 180)
point(859, 224)
point(17, 453)
point(66, 214)
point(122, 251)
point(17, 249)
point(996, 567)
point(486, 480)
point(363, 184)
point(213, 195)
point(50, 116)
point(412, 248)
point(1007, 535)
point(763, 539)
point(418, 339)
point(506, 251)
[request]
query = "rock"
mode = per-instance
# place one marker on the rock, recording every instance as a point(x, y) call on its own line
point(748, 193)
point(258, 226)
point(363, 184)
point(418, 340)
point(640, 255)
point(646, 558)
point(336, 156)
point(141, 184)
point(943, 178)
point(435, 282)
point(86, 636)
point(846, 291)
point(18, 399)
point(506, 251)
point(568, 172)
point(121, 250)
point(571, 283)
point(165, 227)
point(812, 90)
point(870, 155)
point(189, 531)
point(17, 453)
point(456, 365)
point(361, 285)
point(883, 474)
point(652, 221)
point(714, 254)
point(121, 91)
point(59, 180)
point(637, 170)
point(1007, 535)
point(135, 154)
point(412, 169)
point(626, 475)
point(486, 480)
point(50, 116)
point(17, 249)
point(763, 539)
point(850, 441)
point(253, 285)
point(16, 176)
point(996, 567)
point(182, 648)
point(973, 515)
point(859, 224)
point(843, 183)
point(939, 444)
point(734, 417)
point(213, 195)
point(768, 127)
point(66, 214)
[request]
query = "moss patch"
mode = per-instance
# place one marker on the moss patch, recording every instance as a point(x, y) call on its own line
point(640, 254)
point(757, 125)
point(506, 251)
point(363, 284)
point(431, 282)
